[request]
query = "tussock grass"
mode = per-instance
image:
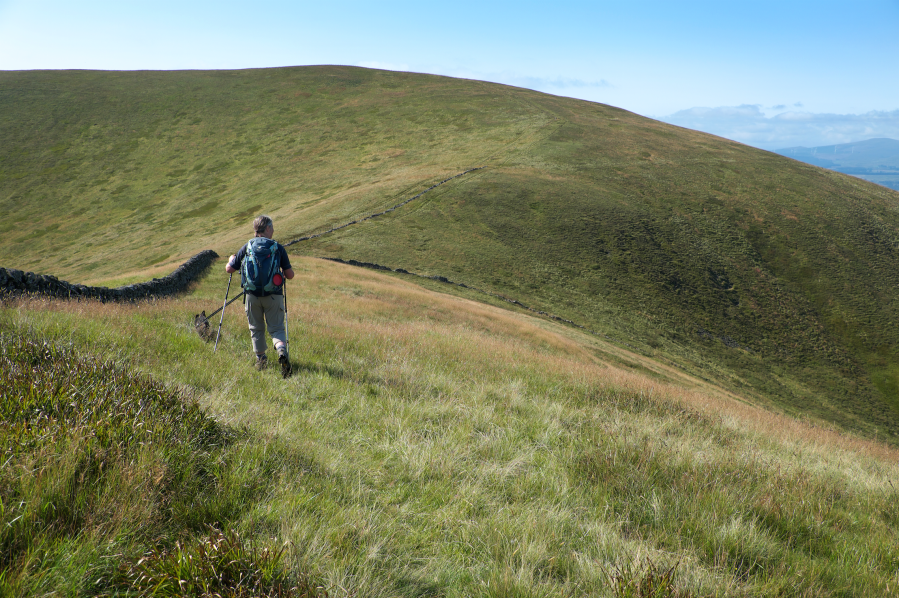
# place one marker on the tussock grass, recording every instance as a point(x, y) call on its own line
point(644, 580)
point(100, 464)
point(220, 565)
point(431, 445)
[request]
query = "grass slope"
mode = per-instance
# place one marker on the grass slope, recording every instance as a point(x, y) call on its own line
point(430, 445)
point(148, 166)
point(770, 277)
point(108, 478)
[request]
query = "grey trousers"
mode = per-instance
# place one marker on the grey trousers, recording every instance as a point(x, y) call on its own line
point(262, 311)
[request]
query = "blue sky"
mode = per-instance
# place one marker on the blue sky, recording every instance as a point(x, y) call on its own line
point(772, 74)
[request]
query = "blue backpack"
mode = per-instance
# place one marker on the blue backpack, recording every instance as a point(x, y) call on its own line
point(261, 264)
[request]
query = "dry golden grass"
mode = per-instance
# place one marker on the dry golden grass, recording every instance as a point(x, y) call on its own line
point(514, 337)
point(458, 445)
point(359, 303)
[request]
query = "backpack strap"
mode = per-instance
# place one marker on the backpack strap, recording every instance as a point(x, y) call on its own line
point(248, 255)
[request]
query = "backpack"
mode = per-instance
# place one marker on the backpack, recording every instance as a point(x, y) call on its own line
point(260, 267)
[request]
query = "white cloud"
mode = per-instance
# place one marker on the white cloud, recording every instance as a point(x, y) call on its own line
point(748, 124)
point(726, 113)
point(798, 116)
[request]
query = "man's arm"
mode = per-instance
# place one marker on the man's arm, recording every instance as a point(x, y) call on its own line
point(233, 264)
point(285, 261)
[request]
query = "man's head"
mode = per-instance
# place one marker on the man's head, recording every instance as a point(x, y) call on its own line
point(263, 226)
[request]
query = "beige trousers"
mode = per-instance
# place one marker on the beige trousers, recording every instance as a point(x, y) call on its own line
point(266, 311)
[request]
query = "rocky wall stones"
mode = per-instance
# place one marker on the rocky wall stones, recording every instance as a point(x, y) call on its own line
point(16, 282)
point(387, 211)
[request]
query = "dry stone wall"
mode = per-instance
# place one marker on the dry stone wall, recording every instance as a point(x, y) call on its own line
point(17, 282)
point(387, 211)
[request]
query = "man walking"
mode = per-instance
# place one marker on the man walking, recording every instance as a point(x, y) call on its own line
point(264, 265)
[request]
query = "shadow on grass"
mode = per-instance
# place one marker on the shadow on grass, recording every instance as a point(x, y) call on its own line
point(335, 372)
point(417, 588)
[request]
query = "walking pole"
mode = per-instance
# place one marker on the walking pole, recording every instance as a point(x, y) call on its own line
point(233, 299)
point(286, 370)
point(286, 329)
point(222, 319)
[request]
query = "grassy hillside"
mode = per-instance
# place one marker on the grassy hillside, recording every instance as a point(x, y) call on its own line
point(428, 445)
point(145, 167)
point(772, 278)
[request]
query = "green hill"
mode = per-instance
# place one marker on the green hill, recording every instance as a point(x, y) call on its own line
point(768, 277)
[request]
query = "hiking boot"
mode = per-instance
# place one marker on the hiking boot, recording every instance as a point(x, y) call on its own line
point(261, 362)
point(286, 370)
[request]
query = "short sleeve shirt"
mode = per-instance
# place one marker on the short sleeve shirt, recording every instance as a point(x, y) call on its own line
point(282, 257)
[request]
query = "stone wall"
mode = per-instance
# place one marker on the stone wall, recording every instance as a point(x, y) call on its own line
point(16, 282)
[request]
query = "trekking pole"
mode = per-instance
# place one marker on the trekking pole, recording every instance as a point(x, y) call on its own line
point(284, 360)
point(233, 299)
point(286, 329)
point(222, 319)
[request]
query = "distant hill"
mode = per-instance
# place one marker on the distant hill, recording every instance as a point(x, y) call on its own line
point(876, 160)
point(769, 277)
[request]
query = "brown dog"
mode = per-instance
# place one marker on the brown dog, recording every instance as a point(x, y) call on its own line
point(201, 325)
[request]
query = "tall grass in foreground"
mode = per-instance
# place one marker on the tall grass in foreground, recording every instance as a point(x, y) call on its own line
point(103, 470)
point(431, 446)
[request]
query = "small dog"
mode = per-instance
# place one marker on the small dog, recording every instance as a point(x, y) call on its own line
point(201, 325)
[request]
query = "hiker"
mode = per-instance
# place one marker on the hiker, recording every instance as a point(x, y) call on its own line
point(260, 278)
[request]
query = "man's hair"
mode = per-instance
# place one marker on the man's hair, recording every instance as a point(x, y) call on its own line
point(261, 223)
